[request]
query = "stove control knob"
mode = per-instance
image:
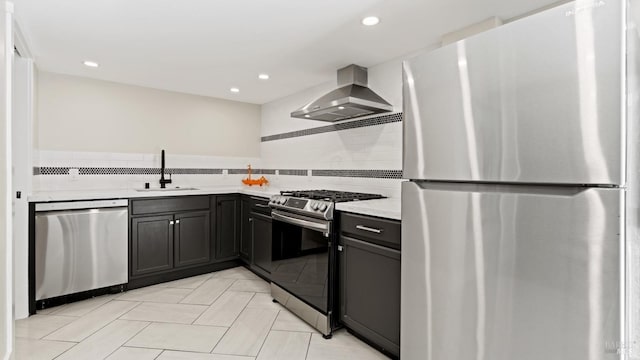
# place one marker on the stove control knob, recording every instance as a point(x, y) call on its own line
point(283, 200)
point(323, 207)
point(314, 205)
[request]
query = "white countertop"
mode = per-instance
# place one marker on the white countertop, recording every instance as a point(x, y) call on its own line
point(385, 208)
point(44, 196)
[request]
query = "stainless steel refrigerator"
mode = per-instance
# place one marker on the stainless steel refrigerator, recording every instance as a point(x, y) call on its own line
point(520, 222)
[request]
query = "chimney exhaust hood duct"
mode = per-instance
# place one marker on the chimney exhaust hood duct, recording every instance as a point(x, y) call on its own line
point(351, 100)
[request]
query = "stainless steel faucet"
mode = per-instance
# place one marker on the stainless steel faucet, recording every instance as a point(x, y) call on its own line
point(163, 181)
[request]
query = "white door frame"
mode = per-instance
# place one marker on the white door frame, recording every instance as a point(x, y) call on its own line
point(22, 121)
point(6, 218)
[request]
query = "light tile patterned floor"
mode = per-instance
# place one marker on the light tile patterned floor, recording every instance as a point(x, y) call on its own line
point(226, 315)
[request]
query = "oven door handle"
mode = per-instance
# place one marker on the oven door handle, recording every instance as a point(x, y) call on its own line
point(324, 227)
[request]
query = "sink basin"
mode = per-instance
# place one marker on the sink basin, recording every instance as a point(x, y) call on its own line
point(167, 189)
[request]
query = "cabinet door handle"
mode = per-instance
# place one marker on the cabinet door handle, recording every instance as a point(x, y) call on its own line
point(177, 221)
point(262, 205)
point(366, 228)
point(250, 219)
point(171, 222)
point(339, 247)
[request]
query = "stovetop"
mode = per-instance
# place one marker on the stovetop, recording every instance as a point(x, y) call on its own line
point(331, 195)
point(315, 203)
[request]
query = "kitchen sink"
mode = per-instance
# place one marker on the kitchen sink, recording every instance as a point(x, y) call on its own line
point(167, 189)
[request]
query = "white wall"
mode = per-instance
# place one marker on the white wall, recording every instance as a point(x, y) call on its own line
point(80, 114)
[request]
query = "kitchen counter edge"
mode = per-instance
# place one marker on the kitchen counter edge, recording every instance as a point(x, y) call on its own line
point(385, 208)
point(389, 208)
point(47, 196)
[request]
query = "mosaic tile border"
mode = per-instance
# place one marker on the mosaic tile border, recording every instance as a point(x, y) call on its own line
point(65, 170)
point(377, 174)
point(50, 170)
point(294, 172)
point(117, 171)
point(56, 170)
point(253, 171)
point(194, 171)
point(372, 121)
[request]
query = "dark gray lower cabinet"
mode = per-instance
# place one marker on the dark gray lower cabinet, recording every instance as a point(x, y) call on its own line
point(227, 226)
point(160, 243)
point(255, 234)
point(261, 233)
point(181, 236)
point(192, 238)
point(246, 239)
point(151, 244)
point(370, 286)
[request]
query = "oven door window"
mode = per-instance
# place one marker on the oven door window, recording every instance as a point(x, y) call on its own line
point(300, 263)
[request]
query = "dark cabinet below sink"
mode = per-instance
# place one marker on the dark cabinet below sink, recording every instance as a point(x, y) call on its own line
point(193, 239)
point(151, 244)
point(164, 242)
point(176, 237)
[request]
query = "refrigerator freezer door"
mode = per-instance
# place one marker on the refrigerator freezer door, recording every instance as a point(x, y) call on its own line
point(538, 100)
point(510, 272)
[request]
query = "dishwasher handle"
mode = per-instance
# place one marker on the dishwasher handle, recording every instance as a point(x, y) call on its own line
point(81, 205)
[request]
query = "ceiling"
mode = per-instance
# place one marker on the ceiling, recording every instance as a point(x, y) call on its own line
point(205, 47)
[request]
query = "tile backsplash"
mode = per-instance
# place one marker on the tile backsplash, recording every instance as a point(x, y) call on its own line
point(364, 155)
point(375, 147)
point(64, 170)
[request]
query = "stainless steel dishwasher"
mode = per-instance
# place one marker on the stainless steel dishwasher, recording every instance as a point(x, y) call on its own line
point(80, 246)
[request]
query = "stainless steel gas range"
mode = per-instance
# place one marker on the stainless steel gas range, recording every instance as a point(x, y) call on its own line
point(304, 265)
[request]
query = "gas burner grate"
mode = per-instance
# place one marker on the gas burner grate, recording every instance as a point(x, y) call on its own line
point(331, 195)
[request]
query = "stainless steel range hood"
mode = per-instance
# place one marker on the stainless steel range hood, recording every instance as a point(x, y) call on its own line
point(351, 100)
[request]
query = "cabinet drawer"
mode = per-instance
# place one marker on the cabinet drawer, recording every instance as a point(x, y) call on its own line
point(173, 204)
point(379, 231)
point(260, 205)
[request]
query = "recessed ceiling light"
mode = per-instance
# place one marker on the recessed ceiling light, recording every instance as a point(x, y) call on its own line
point(234, 90)
point(340, 107)
point(307, 116)
point(92, 64)
point(370, 20)
point(263, 76)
